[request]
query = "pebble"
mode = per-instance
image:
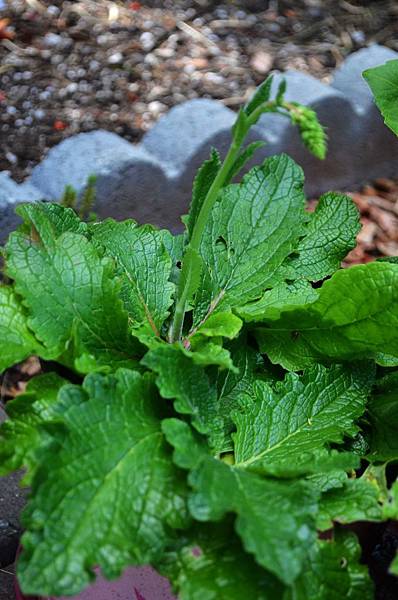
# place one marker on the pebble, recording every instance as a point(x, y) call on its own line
point(156, 107)
point(115, 59)
point(262, 62)
point(147, 40)
point(52, 39)
point(71, 88)
point(39, 114)
point(11, 157)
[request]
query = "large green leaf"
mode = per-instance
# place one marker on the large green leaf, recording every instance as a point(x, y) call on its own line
point(209, 563)
point(144, 266)
point(383, 81)
point(71, 294)
point(333, 572)
point(252, 228)
point(235, 389)
point(275, 519)
point(291, 419)
point(354, 317)
point(17, 341)
point(20, 435)
point(47, 221)
point(329, 235)
point(106, 490)
point(179, 378)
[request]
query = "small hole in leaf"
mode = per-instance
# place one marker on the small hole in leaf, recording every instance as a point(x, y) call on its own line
point(178, 264)
point(220, 241)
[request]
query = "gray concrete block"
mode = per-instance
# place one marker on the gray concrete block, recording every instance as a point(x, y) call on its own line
point(76, 158)
point(375, 146)
point(130, 182)
point(178, 136)
point(348, 77)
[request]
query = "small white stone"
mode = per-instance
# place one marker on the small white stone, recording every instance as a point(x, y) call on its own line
point(115, 59)
point(52, 39)
point(71, 88)
point(39, 114)
point(156, 107)
point(11, 158)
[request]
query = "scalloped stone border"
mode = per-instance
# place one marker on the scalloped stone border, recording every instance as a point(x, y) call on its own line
point(151, 181)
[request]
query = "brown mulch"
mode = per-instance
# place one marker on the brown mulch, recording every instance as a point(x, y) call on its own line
point(378, 205)
point(75, 66)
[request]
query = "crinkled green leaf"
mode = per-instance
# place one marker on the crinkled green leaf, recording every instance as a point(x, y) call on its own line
point(355, 317)
point(293, 418)
point(333, 572)
point(356, 500)
point(207, 352)
point(106, 492)
point(335, 478)
point(383, 81)
point(189, 447)
point(209, 563)
point(275, 519)
point(201, 185)
point(179, 378)
point(71, 294)
point(252, 228)
point(144, 266)
point(235, 389)
point(329, 235)
point(47, 221)
point(20, 435)
point(17, 341)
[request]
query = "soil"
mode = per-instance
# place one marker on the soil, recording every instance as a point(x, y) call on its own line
point(75, 66)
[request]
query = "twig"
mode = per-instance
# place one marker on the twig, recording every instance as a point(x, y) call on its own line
point(198, 35)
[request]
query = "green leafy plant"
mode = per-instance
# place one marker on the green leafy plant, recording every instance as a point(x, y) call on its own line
point(223, 392)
